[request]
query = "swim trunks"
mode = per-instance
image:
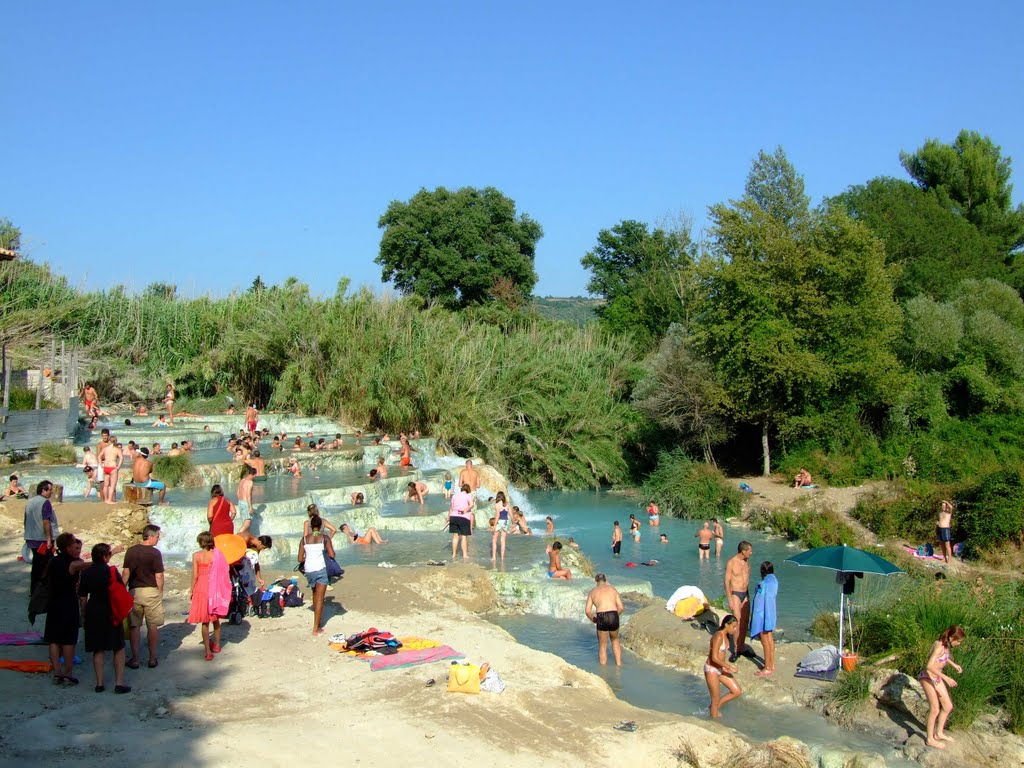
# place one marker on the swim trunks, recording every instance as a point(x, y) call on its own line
point(617, 547)
point(109, 470)
point(704, 546)
point(743, 596)
point(405, 461)
point(156, 485)
point(501, 526)
point(244, 511)
point(260, 479)
point(608, 621)
point(551, 574)
point(654, 518)
point(944, 534)
point(251, 425)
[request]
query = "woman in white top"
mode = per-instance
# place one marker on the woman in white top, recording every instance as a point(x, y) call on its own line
point(311, 554)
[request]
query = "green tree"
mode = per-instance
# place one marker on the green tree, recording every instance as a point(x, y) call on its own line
point(933, 246)
point(973, 178)
point(459, 248)
point(166, 291)
point(642, 275)
point(798, 318)
point(257, 286)
point(10, 235)
point(681, 394)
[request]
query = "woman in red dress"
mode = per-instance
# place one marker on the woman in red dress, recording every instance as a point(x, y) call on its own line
point(220, 513)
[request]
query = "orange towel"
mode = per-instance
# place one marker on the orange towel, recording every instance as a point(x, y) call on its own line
point(36, 667)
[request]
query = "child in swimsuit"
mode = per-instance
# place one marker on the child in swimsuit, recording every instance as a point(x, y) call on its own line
point(717, 670)
point(447, 485)
point(936, 685)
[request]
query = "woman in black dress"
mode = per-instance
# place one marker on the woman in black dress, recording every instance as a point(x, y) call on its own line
point(101, 633)
point(62, 609)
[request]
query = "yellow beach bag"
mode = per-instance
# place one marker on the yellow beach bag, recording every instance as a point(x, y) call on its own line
point(463, 678)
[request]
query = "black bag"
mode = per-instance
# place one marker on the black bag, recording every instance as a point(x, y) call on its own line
point(276, 610)
point(292, 597)
point(334, 571)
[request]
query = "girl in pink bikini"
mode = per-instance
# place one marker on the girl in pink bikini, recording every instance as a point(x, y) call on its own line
point(936, 685)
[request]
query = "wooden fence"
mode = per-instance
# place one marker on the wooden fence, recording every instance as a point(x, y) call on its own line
point(27, 430)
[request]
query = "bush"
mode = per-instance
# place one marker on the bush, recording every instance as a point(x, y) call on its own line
point(814, 527)
point(686, 488)
point(175, 471)
point(991, 509)
point(906, 508)
point(56, 453)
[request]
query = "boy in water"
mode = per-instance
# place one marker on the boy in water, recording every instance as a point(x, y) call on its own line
point(555, 569)
point(616, 539)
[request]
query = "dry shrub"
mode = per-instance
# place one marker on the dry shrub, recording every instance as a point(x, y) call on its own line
point(686, 754)
point(783, 753)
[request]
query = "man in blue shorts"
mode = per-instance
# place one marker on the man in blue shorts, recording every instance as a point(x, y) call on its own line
point(142, 474)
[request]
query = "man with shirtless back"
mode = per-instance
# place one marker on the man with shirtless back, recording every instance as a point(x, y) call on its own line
point(719, 532)
point(110, 458)
point(737, 590)
point(704, 535)
point(142, 474)
point(944, 529)
point(245, 500)
point(259, 464)
point(604, 607)
point(251, 417)
point(470, 477)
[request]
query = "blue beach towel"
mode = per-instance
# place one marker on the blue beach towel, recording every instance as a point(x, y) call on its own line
point(762, 617)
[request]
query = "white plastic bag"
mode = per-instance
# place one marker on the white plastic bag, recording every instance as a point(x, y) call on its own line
point(491, 682)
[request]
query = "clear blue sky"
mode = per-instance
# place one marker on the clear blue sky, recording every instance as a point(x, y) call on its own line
point(203, 143)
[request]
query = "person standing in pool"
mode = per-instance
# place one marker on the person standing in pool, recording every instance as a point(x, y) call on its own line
point(405, 451)
point(251, 418)
point(704, 537)
point(112, 459)
point(448, 486)
point(944, 529)
point(634, 527)
point(616, 539)
point(470, 477)
point(245, 499)
point(762, 619)
point(737, 590)
point(718, 671)
point(259, 464)
point(460, 520)
point(604, 607)
point(653, 515)
point(502, 522)
point(169, 402)
point(719, 536)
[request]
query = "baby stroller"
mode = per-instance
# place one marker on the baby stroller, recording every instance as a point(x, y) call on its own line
point(240, 605)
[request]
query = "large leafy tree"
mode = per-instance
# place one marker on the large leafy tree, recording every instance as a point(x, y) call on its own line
point(932, 246)
point(460, 247)
point(798, 316)
point(642, 275)
point(973, 178)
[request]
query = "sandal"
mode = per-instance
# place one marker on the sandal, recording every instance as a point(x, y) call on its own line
point(58, 679)
point(132, 664)
point(122, 689)
point(626, 725)
point(152, 663)
point(70, 680)
point(209, 657)
point(100, 689)
point(215, 648)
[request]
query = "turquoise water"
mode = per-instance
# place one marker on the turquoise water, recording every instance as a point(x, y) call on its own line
point(588, 517)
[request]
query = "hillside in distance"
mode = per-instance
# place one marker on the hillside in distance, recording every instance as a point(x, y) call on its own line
point(574, 309)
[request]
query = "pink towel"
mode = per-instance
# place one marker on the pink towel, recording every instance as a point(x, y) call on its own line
point(220, 585)
point(410, 658)
point(21, 638)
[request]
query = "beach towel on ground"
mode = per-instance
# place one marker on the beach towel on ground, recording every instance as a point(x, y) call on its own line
point(220, 585)
point(33, 667)
point(412, 658)
point(21, 638)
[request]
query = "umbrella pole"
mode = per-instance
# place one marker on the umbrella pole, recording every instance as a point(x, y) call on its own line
point(842, 599)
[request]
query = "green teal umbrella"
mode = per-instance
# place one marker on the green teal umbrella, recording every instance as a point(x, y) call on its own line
point(844, 560)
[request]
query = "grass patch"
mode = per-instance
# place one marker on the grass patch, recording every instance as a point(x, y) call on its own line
point(812, 526)
point(686, 754)
point(850, 693)
point(22, 399)
point(683, 487)
point(176, 471)
point(56, 453)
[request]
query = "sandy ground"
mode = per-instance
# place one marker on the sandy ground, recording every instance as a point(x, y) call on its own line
point(281, 697)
